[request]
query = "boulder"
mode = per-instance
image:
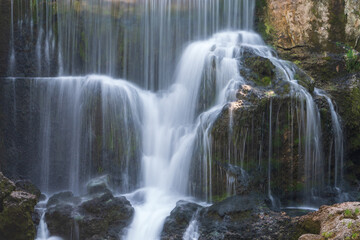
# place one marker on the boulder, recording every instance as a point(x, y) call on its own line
point(60, 219)
point(98, 215)
point(176, 224)
point(104, 216)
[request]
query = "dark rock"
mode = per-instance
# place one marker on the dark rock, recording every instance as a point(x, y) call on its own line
point(60, 220)
point(105, 215)
point(244, 217)
point(179, 220)
point(237, 217)
point(102, 217)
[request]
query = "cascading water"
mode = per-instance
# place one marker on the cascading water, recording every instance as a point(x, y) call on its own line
point(338, 141)
point(85, 37)
point(148, 141)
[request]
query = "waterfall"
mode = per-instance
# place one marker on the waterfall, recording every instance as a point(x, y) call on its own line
point(102, 37)
point(83, 119)
point(134, 89)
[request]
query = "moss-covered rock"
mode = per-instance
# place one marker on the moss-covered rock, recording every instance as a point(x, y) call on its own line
point(6, 187)
point(16, 212)
point(257, 69)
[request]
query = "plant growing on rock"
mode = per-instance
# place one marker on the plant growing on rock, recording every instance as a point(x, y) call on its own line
point(328, 235)
point(352, 61)
point(351, 214)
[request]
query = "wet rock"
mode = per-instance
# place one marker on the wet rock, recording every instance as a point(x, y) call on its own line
point(179, 220)
point(97, 216)
point(237, 217)
point(60, 220)
point(105, 216)
point(16, 212)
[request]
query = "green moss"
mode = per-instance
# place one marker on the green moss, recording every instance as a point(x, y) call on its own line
point(266, 81)
point(264, 26)
point(351, 114)
point(352, 61)
point(219, 198)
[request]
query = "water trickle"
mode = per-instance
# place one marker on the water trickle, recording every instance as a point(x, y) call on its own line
point(270, 155)
point(12, 43)
point(192, 232)
point(337, 143)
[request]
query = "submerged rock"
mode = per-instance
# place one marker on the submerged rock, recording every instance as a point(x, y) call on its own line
point(16, 209)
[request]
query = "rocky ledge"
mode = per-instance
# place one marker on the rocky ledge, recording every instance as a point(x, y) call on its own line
point(248, 217)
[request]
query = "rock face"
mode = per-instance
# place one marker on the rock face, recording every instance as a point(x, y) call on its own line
point(340, 221)
point(309, 22)
point(258, 133)
point(16, 209)
point(99, 215)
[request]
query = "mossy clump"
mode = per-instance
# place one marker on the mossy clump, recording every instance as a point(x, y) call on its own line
point(260, 70)
point(351, 115)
